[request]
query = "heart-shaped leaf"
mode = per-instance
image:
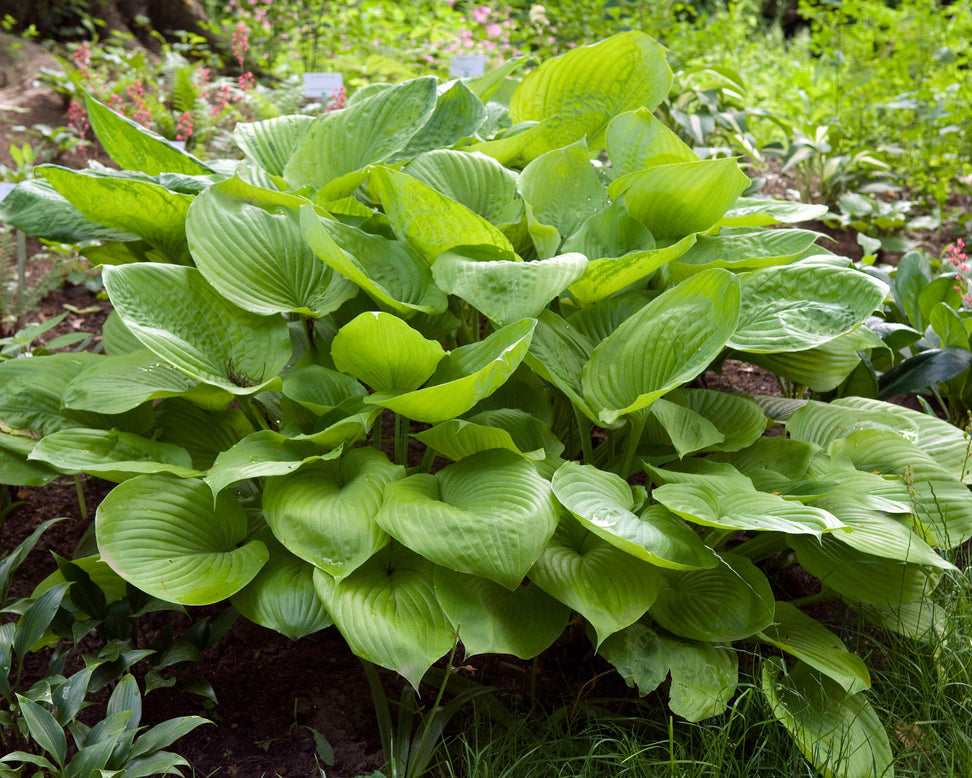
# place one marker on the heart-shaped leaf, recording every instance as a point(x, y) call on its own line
point(636, 140)
point(271, 142)
point(164, 535)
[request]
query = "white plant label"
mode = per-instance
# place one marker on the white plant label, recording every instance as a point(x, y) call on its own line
point(467, 65)
point(179, 144)
point(322, 85)
point(5, 189)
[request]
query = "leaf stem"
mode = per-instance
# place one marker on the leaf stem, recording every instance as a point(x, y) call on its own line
point(401, 439)
point(584, 425)
point(82, 504)
point(812, 599)
point(636, 425)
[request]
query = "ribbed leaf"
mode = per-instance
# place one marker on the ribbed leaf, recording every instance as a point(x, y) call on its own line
point(489, 514)
point(385, 353)
point(458, 114)
point(839, 733)
point(457, 439)
point(340, 143)
point(763, 211)
point(204, 434)
point(686, 429)
point(325, 514)
point(111, 454)
point(320, 389)
point(666, 343)
point(490, 619)
point(795, 307)
point(464, 376)
point(729, 602)
point(558, 353)
point(388, 612)
point(810, 641)
point(637, 140)
point(247, 243)
point(164, 535)
point(505, 291)
point(740, 420)
point(180, 317)
point(44, 729)
point(271, 142)
point(678, 199)
point(604, 504)
point(608, 587)
point(31, 391)
point(581, 91)
point(746, 249)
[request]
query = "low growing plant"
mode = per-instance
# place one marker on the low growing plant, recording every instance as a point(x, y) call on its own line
point(454, 262)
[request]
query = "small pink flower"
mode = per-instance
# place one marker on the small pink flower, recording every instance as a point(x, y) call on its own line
point(184, 125)
point(246, 81)
point(493, 30)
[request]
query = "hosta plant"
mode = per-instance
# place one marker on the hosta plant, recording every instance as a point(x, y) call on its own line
point(522, 276)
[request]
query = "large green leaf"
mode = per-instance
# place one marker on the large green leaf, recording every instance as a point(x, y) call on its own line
point(491, 619)
point(704, 676)
point(388, 612)
point(685, 429)
point(15, 470)
point(476, 181)
point(36, 208)
point(464, 376)
point(763, 211)
point(839, 733)
point(458, 114)
point(320, 389)
point(607, 586)
point(604, 504)
point(31, 391)
point(387, 270)
point(385, 353)
point(325, 514)
point(579, 92)
point(457, 439)
point(680, 198)
point(489, 514)
point(505, 291)
point(272, 141)
point(728, 602)
point(247, 243)
point(142, 208)
point(135, 148)
point(637, 140)
point(800, 307)
point(341, 143)
point(282, 597)
point(740, 420)
point(740, 508)
point(179, 316)
point(164, 535)
point(810, 641)
point(260, 454)
point(431, 222)
point(666, 343)
point(558, 353)
point(110, 454)
point(203, 433)
point(745, 250)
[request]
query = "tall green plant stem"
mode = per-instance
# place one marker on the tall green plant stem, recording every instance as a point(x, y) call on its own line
point(636, 425)
point(255, 417)
point(79, 489)
point(401, 440)
point(584, 426)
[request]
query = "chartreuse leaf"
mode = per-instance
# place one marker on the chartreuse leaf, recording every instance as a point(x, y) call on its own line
point(505, 291)
point(526, 428)
point(135, 148)
point(604, 504)
point(763, 211)
point(247, 243)
point(822, 423)
point(464, 376)
point(164, 535)
point(339, 144)
point(838, 732)
point(741, 508)
point(388, 612)
point(179, 316)
point(811, 642)
point(120, 383)
point(271, 141)
point(581, 91)
point(945, 442)
point(562, 188)
point(325, 513)
point(388, 271)
point(431, 222)
point(861, 577)
point(794, 308)
point(737, 417)
point(610, 232)
point(687, 430)
point(608, 275)
point(111, 454)
point(491, 619)
point(476, 181)
point(458, 114)
point(457, 438)
point(728, 602)
point(320, 389)
point(745, 250)
point(636, 140)
point(282, 597)
point(666, 343)
point(143, 208)
point(489, 514)
point(260, 454)
point(203, 433)
point(607, 586)
point(704, 676)
point(385, 353)
point(677, 199)
point(558, 353)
